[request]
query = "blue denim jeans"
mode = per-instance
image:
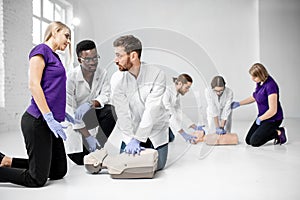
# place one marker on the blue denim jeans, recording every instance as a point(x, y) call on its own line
point(162, 152)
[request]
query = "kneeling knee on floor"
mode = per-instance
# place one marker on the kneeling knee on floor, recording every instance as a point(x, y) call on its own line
point(255, 142)
point(40, 182)
point(59, 174)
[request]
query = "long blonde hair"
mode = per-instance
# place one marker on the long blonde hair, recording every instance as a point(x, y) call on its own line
point(56, 26)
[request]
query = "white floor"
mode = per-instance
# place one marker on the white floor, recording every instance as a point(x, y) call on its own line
point(192, 171)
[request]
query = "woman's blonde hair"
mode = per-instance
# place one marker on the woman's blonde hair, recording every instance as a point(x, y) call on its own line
point(258, 70)
point(56, 26)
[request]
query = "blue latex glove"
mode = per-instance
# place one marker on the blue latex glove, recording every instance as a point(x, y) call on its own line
point(69, 118)
point(220, 131)
point(199, 128)
point(188, 138)
point(235, 104)
point(258, 121)
point(54, 126)
point(133, 147)
point(92, 142)
point(81, 110)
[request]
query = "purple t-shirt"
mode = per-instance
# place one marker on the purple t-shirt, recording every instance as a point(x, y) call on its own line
point(53, 83)
point(261, 96)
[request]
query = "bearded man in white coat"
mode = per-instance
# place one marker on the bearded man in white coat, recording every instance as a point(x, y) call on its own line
point(172, 102)
point(137, 97)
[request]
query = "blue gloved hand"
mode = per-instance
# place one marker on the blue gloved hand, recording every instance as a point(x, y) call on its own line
point(258, 121)
point(220, 131)
point(189, 138)
point(92, 142)
point(69, 118)
point(133, 147)
point(235, 104)
point(199, 128)
point(54, 126)
point(81, 110)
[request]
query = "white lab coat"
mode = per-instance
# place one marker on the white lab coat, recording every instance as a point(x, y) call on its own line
point(220, 107)
point(138, 104)
point(79, 92)
point(114, 80)
point(172, 102)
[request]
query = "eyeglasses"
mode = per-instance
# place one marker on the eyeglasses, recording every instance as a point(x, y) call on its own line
point(219, 91)
point(88, 60)
point(119, 56)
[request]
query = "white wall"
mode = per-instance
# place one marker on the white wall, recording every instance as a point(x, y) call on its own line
point(233, 33)
point(280, 48)
point(228, 36)
point(16, 41)
point(227, 31)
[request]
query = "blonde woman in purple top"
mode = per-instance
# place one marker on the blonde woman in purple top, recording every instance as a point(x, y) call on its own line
point(42, 131)
point(270, 114)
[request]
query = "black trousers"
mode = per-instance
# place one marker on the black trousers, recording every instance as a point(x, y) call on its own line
point(171, 135)
point(46, 156)
point(106, 119)
point(258, 135)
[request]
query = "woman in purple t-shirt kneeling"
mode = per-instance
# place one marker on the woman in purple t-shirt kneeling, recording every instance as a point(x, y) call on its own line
point(270, 114)
point(42, 131)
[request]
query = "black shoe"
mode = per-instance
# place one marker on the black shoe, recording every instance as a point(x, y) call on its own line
point(282, 138)
point(1, 157)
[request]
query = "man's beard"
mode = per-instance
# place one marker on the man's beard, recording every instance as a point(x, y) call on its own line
point(126, 67)
point(181, 92)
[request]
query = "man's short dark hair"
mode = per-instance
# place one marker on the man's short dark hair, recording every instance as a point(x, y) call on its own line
point(183, 78)
point(130, 44)
point(84, 45)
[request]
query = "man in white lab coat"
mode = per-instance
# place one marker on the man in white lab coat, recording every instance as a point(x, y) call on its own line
point(172, 102)
point(88, 97)
point(219, 112)
point(137, 97)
